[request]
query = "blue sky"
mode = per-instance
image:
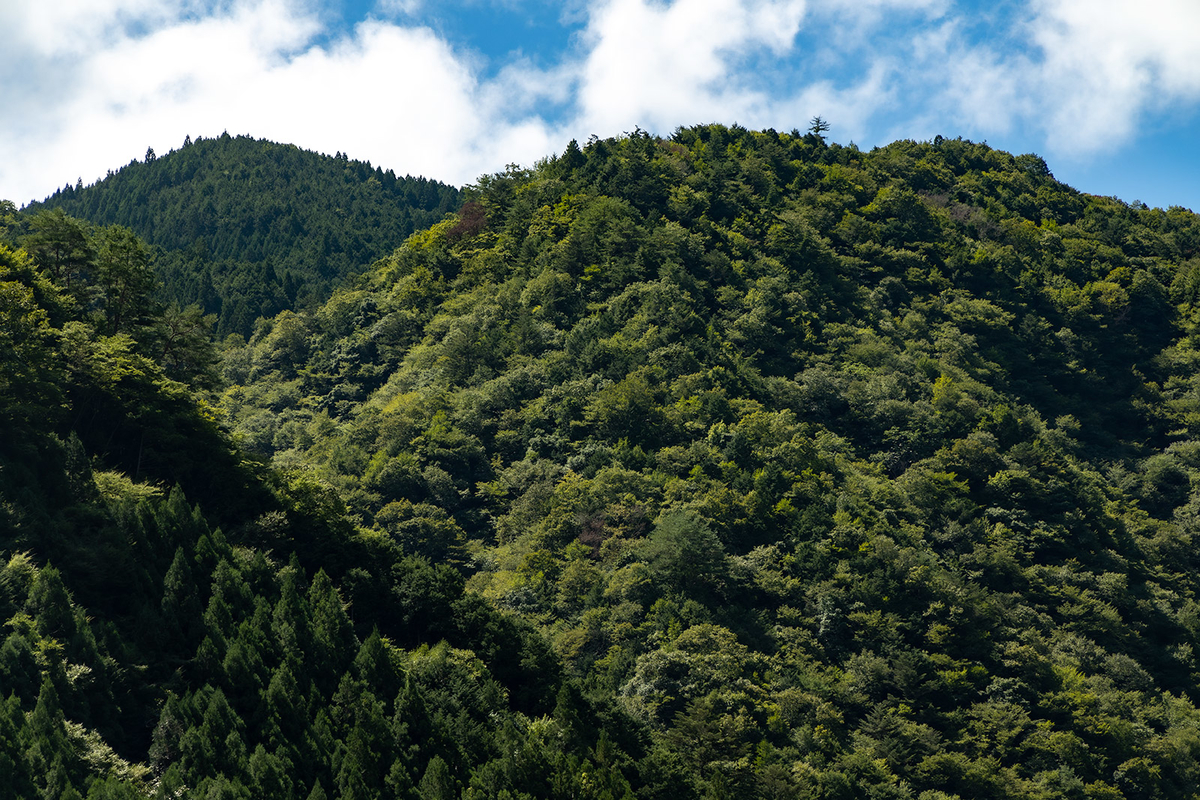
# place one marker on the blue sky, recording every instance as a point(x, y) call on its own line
point(1107, 91)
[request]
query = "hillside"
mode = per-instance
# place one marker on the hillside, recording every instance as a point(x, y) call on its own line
point(175, 615)
point(247, 228)
point(735, 464)
point(835, 468)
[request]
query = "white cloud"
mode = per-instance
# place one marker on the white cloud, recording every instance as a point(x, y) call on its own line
point(659, 66)
point(400, 97)
point(67, 27)
point(1080, 75)
point(664, 64)
point(972, 88)
point(863, 26)
point(857, 16)
point(1107, 61)
point(849, 110)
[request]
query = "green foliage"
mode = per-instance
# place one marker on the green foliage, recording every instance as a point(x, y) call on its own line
point(735, 464)
point(684, 554)
point(806, 460)
point(245, 228)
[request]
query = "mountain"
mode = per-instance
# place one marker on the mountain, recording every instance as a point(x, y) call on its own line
point(136, 537)
point(730, 464)
point(247, 228)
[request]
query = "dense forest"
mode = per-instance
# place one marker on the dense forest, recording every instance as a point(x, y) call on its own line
point(734, 464)
point(248, 228)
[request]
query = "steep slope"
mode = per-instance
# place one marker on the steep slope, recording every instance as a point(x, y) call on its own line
point(735, 464)
point(248, 227)
point(843, 473)
point(155, 648)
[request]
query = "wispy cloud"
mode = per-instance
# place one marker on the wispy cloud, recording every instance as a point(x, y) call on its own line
point(388, 8)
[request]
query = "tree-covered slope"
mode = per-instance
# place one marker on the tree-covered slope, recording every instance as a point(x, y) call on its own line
point(735, 464)
point(842, 473)
point(176, 617)
point(247, 227)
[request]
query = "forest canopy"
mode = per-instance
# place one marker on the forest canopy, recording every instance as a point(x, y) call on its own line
point(730, 464)
point(247, 228)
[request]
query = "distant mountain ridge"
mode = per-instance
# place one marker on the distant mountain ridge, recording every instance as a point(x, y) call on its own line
point(247, 227)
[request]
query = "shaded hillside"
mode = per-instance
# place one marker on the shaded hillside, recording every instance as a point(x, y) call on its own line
point(247, 227)
point(175, 615)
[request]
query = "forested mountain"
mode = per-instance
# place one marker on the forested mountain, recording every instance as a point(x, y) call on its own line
point(176, 618)
point(247, 228)
point(735, 464)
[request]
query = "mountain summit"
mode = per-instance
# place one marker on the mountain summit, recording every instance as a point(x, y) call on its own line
point(247, 227)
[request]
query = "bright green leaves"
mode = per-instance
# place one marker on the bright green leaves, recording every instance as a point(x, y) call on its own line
point(821, 471)
point(629, 409)
point(424, 530)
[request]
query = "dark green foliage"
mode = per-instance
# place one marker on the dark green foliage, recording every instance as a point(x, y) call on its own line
point(739, 464)
point(813, 464)
point(245, 227)
point(685, 555)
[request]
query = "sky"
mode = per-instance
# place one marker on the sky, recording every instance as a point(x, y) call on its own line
point(1107, 91)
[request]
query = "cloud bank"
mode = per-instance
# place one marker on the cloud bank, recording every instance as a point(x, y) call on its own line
point(89, 84)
